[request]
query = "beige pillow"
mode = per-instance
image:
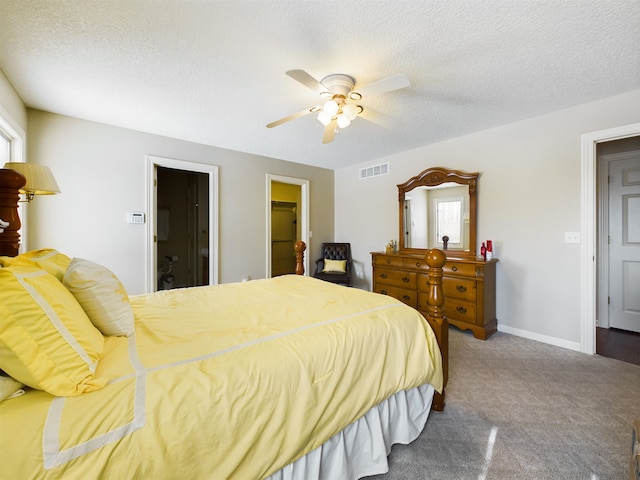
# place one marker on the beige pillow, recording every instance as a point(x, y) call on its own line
point(102, 297)
point(9, 387)
point(336, 266)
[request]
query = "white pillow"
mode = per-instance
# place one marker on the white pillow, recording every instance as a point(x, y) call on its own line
point(102, 297)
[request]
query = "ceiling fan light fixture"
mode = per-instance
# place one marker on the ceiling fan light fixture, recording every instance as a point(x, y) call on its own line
point(324, 118)
point(343, 121)
point(337, 90)
point(331, 107)
point(350, 110)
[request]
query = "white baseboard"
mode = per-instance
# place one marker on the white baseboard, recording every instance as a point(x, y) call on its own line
point(558, 342)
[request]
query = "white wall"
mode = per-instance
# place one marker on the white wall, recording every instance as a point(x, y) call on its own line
point(11, 103)
point(101, 172)
point(529, 194)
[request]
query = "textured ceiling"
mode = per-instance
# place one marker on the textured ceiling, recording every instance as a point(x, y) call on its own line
point(213, 72)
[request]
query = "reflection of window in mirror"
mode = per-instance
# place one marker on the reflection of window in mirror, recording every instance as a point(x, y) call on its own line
point(448, 213)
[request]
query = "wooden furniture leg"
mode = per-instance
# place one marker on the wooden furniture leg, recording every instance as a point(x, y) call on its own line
point(435, 316)
point(10, 182)
point(299, 247)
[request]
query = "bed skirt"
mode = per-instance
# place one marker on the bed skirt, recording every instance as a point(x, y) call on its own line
point(361, 449)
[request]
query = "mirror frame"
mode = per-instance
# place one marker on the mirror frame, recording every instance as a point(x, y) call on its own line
point(430, 178)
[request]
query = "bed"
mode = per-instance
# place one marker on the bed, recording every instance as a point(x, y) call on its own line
point(282, 379)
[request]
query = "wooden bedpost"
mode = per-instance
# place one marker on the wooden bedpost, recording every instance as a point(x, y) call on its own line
point(10, 182)
point(300, 247)
point(435, 316)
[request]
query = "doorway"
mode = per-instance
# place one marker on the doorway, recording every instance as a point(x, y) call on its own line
point(618, 247)
point(182, 228)
point(287, 222)
point(284, 219)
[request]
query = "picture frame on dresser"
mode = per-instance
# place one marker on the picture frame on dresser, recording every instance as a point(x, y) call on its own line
point(469, 282)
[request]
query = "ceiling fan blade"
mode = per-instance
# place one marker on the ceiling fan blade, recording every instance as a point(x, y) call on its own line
point(307, 80)
point(315, 108)
point(378, 118)
point(330, 132)
point(385, 85)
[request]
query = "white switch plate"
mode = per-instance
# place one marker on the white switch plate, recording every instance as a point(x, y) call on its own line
point(571, 237)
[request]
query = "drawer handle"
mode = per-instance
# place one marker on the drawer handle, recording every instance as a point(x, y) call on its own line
point(388, 261)
point(461, 288)
point(406, 297)
point(461, 310)
point(454, 268)
point(418, 264)
point(405, 279)
point(384, 292)
point(383, 275)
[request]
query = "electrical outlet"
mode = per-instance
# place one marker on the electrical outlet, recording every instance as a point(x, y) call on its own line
point(360, 275)
point(571, 237)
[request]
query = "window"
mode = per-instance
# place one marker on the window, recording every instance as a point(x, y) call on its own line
point(12, 150)
point(11, 140)
point(449, 220)
point(5, 148)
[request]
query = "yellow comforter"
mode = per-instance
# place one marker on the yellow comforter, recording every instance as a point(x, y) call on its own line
point(231, 381)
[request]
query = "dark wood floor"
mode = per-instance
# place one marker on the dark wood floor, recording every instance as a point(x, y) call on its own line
point(618, 344)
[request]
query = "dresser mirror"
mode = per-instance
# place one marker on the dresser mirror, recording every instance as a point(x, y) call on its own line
point(437, 209)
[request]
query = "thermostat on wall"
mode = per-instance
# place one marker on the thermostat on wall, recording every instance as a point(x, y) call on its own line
point(135, 217)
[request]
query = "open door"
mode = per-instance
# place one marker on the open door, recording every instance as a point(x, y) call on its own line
point(284, 220)
point(200, 261)
point(624, 243)
point(618, 249)
point(182, 227)
point(287, 212)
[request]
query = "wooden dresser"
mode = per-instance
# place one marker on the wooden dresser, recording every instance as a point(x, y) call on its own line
point(469, 288)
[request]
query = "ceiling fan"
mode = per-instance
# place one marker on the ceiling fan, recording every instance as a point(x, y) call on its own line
point(340, 107)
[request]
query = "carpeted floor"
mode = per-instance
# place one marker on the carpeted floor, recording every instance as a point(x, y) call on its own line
point(521, 409)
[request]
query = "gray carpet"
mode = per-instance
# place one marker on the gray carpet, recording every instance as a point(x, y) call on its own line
point(521, 409)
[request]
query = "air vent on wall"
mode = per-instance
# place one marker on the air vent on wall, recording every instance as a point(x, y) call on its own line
point(374, 171)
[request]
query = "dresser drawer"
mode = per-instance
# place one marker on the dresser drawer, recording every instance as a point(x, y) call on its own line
point(462, 288)
point(397, 278)
point(415, 262)
point(457, 268)
point(460, 310)
point(405, 296)
point(388, 260)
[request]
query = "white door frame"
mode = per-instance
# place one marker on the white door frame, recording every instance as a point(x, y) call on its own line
point(589, 232)
point(153, 162)
point(304, 216)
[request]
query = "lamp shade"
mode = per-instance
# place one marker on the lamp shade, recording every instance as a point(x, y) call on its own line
point(40, 180)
